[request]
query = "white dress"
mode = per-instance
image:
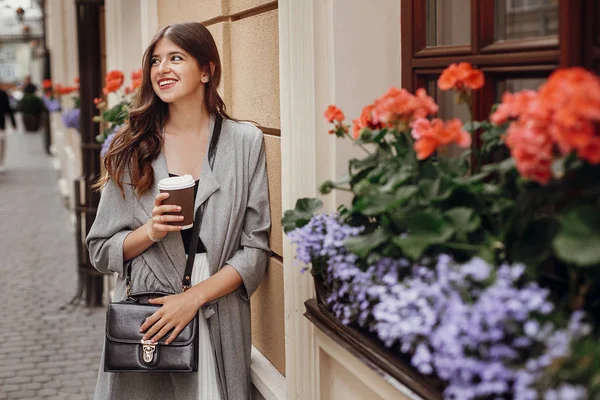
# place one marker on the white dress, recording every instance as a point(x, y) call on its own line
point(208, 387)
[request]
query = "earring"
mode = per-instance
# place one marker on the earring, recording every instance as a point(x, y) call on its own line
point(204, 79)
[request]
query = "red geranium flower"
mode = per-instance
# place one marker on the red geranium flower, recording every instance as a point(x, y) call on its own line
point(460, 77)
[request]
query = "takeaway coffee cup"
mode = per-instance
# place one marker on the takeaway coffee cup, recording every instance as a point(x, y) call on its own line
point(181, 193)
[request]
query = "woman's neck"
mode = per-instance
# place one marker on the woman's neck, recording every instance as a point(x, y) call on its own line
point(188, 117)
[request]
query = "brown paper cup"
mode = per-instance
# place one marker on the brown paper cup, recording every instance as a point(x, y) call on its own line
point(181, 193)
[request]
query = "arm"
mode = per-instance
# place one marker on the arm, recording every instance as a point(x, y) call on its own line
point(136, 243)
point(113, 223)
point(112, 242)
point(139, 240)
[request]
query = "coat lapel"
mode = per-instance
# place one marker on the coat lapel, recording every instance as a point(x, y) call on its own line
point(172, 243)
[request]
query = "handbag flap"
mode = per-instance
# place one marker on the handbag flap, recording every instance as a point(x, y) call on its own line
point(124, 319)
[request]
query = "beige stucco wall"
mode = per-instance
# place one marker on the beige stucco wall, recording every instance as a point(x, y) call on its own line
point(246, 33)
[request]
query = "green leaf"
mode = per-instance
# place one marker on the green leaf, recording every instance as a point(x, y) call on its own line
point(362, 245)
point(472, 126)
point(380, 203)
point(379, 135)
point(501, 205)
point(429, 188)
point(428, 170)
point(464, 220)
point(116, 114)
point(301, 214)
point(424, 230)
point(578, 240)
point(397, 179)
point(503, 166)
point(405, 192)
point(453, 166)
point(369, 161)
point(535, 245)
point(477, 177)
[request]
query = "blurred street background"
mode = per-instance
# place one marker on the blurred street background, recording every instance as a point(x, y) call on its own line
point(49, 349)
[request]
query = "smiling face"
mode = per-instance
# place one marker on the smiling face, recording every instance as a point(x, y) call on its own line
point(175, 74)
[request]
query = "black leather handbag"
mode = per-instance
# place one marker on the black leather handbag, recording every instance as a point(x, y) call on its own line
point(125, 350)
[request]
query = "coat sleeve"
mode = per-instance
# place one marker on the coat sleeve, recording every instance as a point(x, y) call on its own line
point(250, 261)
point(110, 228)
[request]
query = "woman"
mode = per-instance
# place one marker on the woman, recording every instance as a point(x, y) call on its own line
point(168, 132)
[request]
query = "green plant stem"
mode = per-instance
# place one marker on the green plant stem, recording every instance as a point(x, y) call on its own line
point(476, 152)
point(342, 189)
point(414, 157)
point(358, 143)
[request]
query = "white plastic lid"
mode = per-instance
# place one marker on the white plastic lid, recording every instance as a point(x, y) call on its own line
point(176, 182)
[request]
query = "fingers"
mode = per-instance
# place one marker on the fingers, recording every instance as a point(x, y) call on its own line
point(160, 210)
point(151, 320)
point(167, 218)
point(160, 198)
point(166, 228)
point(164, 330)
point(158, 300)
point(174, 335)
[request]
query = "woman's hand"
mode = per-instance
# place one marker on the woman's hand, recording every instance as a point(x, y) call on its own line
point(158, 227)
point(176, 312)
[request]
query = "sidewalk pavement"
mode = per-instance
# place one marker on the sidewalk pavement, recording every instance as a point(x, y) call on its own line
point(48, 349)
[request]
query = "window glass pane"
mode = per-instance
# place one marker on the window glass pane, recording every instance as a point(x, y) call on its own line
point(449, 109)
point(525, 19)
point(448, 22)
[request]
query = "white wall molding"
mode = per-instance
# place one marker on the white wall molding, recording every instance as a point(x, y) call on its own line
point(127, 35)
point(55, 41)
point(149, 21)
point(113, 34)
point(298, 171)
point(343, 52)
point(71, 53)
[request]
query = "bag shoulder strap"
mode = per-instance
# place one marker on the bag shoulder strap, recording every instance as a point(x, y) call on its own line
point(187, 278)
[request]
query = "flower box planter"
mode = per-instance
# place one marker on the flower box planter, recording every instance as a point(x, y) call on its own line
point(370, 351)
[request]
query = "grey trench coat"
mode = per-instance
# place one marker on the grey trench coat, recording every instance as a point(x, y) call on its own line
point(235, 232)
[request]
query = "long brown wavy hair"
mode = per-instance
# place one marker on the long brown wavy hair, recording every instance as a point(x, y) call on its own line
point(140, 141)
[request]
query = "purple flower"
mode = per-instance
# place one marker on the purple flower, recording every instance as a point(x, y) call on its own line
point(566, 392)
point(52, 105)
point(71, 118)
point(466, 323)
point(108, 141)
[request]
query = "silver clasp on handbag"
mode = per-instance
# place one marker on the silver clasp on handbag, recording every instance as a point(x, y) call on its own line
point(148, 349)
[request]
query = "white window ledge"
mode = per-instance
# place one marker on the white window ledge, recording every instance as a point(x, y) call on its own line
point(266, 378)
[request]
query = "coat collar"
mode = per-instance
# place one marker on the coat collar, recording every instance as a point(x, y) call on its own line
point(208, 184)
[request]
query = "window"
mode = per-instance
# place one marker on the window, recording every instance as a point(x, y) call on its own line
point(516, 43)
